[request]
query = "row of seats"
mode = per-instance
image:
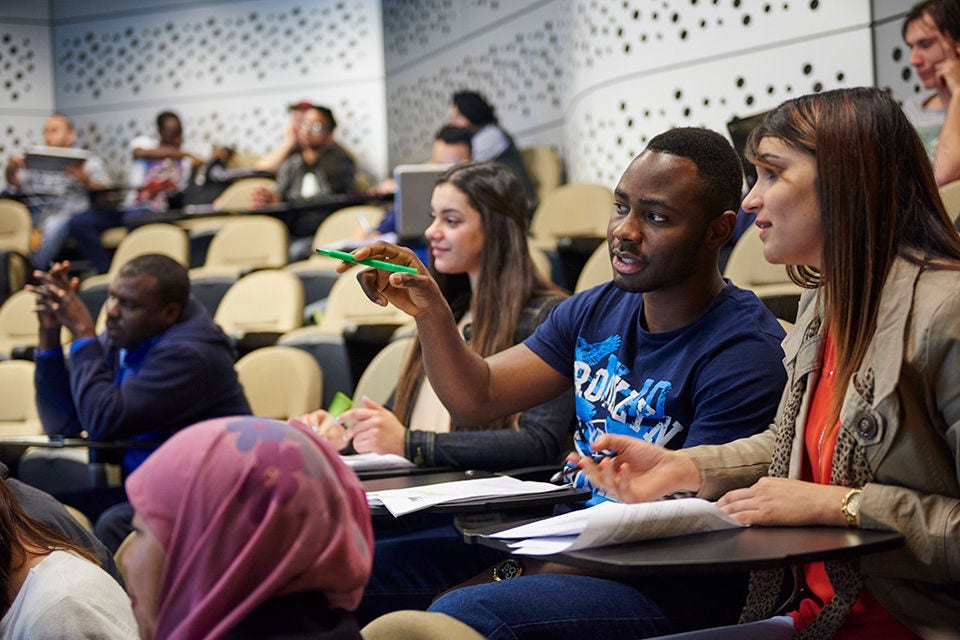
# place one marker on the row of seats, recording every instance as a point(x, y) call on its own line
point(280, 382)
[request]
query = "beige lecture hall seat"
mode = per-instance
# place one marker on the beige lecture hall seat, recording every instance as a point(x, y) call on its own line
point(267, 302)
point(19, 326)
point(747, 268)
point(18, 410)
point(16, 225)
point(280, 382)
point(418, 625)
point(571, 210)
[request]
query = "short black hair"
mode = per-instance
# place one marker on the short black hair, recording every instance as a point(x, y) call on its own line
point(455, 135)
point(474, 107)
point(717, 164)
point(163, 116)
point(173, 282)
point(327, 115)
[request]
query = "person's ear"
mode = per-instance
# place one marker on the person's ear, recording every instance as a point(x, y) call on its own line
point(171, 313)
point(720, 228)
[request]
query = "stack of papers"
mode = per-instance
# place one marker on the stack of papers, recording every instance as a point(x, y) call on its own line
point(614, 523)
point(401, 501)
point(376, 461)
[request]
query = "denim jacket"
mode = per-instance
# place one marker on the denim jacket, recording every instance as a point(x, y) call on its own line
point(543, 436)
point(909, 431)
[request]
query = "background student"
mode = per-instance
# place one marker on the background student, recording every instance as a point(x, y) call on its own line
point(931, 30)
point(481, 262)
point(480, 259)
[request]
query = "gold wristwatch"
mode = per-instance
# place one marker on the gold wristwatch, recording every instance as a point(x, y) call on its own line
point(850, 506)
point(506, 569)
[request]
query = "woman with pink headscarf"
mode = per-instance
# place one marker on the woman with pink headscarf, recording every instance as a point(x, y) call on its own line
point(247, 528)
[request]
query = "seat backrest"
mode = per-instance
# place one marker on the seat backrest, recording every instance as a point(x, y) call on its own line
point(573, 210)
point(167, 239)
point(541, 261)
point(15, 226)
point(343, 223)
point(239, 195)
point(268, 300)
point(596, 270)
point(950, 194)
point(249, 242)
point(280, 382)
point(348, 305)
point(380, 377)
point(544, 166)
point(18, 410)
point(746, 266)
point(18, 322)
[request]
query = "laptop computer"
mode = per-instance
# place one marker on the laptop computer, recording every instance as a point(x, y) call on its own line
point(415, 184)
point(45, 158)
point(739, 129)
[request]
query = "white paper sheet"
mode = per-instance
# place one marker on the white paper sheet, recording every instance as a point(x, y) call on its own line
point(614, 523)
point(402, 501)
point(376, 461)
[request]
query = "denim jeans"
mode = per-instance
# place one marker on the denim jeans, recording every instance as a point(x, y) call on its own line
point(54, 229)
point(86, 228)
point(574, 607)
point(779, 628)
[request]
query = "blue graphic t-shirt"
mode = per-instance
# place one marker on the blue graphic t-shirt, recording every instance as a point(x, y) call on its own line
point(713, 381)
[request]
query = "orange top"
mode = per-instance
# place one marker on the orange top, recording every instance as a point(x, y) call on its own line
point(868, 618)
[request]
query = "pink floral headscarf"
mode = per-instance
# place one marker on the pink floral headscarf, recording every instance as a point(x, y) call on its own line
point(248, 509)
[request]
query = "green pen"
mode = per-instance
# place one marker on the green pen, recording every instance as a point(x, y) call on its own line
point(370, 262)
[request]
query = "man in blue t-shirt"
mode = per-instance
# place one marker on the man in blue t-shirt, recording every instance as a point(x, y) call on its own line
point(669, 352)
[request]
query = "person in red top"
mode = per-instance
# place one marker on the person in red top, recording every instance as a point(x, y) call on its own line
point(867, 429)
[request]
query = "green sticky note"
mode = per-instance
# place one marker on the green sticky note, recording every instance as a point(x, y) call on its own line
point(340, 403)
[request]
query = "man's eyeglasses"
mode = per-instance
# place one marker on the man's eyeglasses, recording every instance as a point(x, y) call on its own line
point(313, 127)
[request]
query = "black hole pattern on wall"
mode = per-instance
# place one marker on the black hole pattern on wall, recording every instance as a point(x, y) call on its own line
point(212, 52)
point(520, 73)
point(17, 67)
point(660, 22)
point(606, 141)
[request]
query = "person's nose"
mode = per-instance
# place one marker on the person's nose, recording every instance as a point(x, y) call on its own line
point(752, 201)
point(915, 58)
point(433, 231)
point(626, 228)
point(113, 308)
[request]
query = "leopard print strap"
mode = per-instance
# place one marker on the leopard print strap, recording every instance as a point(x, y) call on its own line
point(765, 585)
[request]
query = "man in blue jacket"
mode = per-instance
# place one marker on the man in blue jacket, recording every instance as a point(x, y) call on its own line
point(161, 365)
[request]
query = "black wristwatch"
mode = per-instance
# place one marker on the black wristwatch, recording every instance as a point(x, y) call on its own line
point(509, 568)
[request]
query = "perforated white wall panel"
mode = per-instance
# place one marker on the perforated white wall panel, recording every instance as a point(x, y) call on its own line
point(608, 126)
point(228, 68)
point(611, 74)
point(26, 78)
point(894, 72)
point(515, 53)
point(643, 67)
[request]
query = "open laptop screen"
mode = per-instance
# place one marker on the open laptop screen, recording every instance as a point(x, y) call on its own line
point(415, 184)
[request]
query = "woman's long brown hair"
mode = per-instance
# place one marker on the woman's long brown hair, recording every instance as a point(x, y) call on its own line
point(508, 278)
point(878, 200)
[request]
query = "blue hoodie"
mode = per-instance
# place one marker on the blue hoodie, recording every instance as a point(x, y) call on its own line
point(184, 375)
